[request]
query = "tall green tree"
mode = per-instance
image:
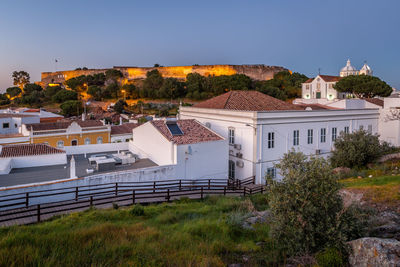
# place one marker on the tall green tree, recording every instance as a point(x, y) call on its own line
point(65, 95)
point(171, 88)
point(71, 108)
point(363, 86)
point(95, 91)
point(113, 74)
point(50, 91)
point(152, 84)
point(31, 87)
point(20, 78)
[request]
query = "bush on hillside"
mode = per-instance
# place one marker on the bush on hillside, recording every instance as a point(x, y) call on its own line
point(307, 210)
point(64, 95)
point(71, 108)
point(356, 150)
point(137, 210)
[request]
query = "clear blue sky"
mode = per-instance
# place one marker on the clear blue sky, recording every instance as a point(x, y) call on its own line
point(300, 35)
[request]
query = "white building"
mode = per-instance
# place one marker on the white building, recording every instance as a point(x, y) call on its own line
point(260, 128)
point(123, 132)
point(322, 86)
point(195, 151)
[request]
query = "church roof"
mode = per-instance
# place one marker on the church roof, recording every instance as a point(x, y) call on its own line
point(326, 78)
point(348, 67)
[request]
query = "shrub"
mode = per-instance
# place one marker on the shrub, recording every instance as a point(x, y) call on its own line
point(357, 149)
point(235, 221)
point(115, 205)
point(308, 212)
point(64, 95)
point(71, 108)
point(137, 210)
point(330, 257)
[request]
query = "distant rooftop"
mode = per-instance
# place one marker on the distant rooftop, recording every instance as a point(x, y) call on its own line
point(62, 125)
point(22, 150)
point(125, 128)
point(326, 78)
point(246, 101)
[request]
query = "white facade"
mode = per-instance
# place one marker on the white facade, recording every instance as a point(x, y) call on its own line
point(11, 123)
point(389, 121)
point(320, 89)
point(192, 161)
point(260, 139)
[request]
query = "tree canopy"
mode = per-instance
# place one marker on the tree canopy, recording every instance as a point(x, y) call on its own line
point(20, 78)
point(13, 91)
point(363, 86)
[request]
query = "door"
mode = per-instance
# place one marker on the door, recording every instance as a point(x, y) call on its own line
point(318, 95)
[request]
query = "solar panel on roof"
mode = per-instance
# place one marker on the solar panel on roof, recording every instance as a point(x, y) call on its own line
point(174, 129)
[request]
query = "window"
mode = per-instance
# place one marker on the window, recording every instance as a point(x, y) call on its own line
point(100, 140)
point(307, 86)
point(87, 141)
point(318, 86)
point(15, 125)
point(334, 134)
point(361, 127)
point(271, 172)
point(231, 136)
point(74, 142)
point(6, 125)
point(323, 135)
point(310, 135)
point(296, 137)
point(271, 139)
point(60, 144)
point(370, 128)
point(346, 129)
point(231, 170)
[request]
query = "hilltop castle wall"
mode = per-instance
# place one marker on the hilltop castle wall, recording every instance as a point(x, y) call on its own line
point(256, 72)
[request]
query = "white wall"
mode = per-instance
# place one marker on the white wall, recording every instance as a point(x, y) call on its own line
point(147, 139)
point(96, 148)
point(389, 122)
point(202, 160)
point(39, 160)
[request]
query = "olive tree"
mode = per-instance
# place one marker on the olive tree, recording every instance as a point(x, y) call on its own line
point(307, 210)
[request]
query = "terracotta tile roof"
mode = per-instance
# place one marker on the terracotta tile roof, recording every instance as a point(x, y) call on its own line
point(193, 132)
point(246, 100)
point(326, 78)
point(62, 125)
point(125, 128)
point(28, 150)
point(376, 101)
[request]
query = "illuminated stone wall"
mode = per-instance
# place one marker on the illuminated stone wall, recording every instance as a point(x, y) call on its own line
point(256, 72)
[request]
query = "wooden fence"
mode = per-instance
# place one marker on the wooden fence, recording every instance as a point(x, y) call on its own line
point(17, 208)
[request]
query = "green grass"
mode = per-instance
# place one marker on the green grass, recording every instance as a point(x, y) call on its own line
point(183, 233)
point(380, 180)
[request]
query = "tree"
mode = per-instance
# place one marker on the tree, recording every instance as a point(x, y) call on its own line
point(50, 91)
point(64, 95)
point(113, 74)
point(71, 108)
point(20, 78)
point(4, 99)
point(119, 106)
point(13, 91)
point(112, 90)
point(95, 91)
point(152, 83)
point(272, 91)
point(171, 88)
point(307, 210)
point(363, 86)
point(34, 98)
point(131, 90)
point(77, 83)
point(289, 83)
point(31, 87)
point(356, 150)
point(195, 84)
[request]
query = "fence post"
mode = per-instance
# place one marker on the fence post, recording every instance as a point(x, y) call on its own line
point(201, 194)
point(133, 197)
point(251, 190)
point(262, 189)
point(244, 191)
point(116, 189)
point(254, 180)
point(154, 187)
point(91, 201)
point(209, 182)
point(168, 195)
point(180, 185)
point(224, 190)
point(76, 193)
point(27, 199)
point(38, 213)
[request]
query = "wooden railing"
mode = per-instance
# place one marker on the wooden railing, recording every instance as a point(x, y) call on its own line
point(21, 206)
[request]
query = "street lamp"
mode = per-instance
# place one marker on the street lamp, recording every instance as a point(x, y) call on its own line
point(124, 92)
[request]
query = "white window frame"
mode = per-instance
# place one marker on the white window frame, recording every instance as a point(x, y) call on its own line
point(334, 134)
point(271, 172)
point(296, 137)
point(346, 129)
point(86, 141)
point(271, 140)
point(310, 136)
point(231, 136)
point(60, 144)
point(323, 135)
point(101, 140)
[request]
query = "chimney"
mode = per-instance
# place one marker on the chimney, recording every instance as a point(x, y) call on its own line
point(120, 120)
point(83, 117)
point(72, 169)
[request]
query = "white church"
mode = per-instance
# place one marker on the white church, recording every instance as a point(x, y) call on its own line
point(320, 89)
